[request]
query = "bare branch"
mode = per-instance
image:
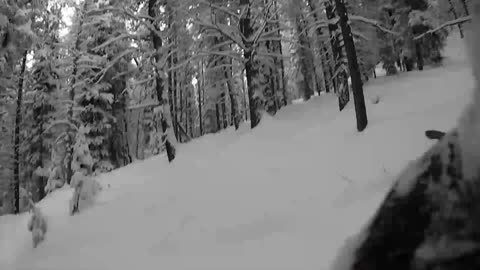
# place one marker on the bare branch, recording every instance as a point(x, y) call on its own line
point(449, 23)
point(372, 22)
point(220, 8)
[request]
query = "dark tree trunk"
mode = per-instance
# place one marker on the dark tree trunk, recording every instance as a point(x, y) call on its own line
point(305, 68)
point(321, 48)
point(41, 181)
point(16, 145)
point(120, 152)
point(465, 7)
point(217, 114)
point(271, 102)
point(339, 81)
point(174, 99)
point(233, 103)
point(187, 117)
point(279, 64)
point(250, 69)
point(166, 123)
point(179, 111)
point(357, 85)
point(418, 49)
point(224, 111)
point(282, 69)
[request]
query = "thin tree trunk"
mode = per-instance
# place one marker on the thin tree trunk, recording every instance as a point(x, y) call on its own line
point(186, 118)
point(341, 79)
point(200, 98)
point(332, 28)
point(357, 85)
point(250, 69)
point(166, 121)
point(245, 105)
point(455, 15)
point(217, 114)
point(179, 111)
point(120, 150)
point(465, 7)
point(322, 49)
point(233, 103)
point(40, 179)
point(71, 93)
point(224, 110)
point(16, 145)
point(304, 67)
point(271, 104)
point(282, 78)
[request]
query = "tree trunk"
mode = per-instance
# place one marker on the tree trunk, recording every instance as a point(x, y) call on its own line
point(233, 104)
point(166, 119)
point(304, 56)
point(455, 15)
point(120, 150)
point(245, 94)
point(224, 111)
point(187, 117)
point(418, 49)
point(16, 145)
point(250, 69)
point(282, 79)
point(217, 114)
point(357, 84)
point(321, 48)
point(179, 111)
point(339, 78)
point(465, 7)
point(71, 93)
point(200, 98)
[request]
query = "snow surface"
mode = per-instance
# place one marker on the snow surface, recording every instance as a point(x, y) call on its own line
point(284, 196)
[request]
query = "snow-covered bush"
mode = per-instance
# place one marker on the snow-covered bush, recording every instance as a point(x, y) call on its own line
point(56, 173)
point(86, 189)
point(37, 224)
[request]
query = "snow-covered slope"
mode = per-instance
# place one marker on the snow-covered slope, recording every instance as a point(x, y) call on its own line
point(284, 196)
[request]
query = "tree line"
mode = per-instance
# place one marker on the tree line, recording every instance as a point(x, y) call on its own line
point(93, 85)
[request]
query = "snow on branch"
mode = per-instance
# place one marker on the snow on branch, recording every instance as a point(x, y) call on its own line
point(372, 22)
point(223, 54)
point(112, 63)
point(219, 8)
point(143, 105)
point(112, 40)
point(449, 23)
point(220, 30)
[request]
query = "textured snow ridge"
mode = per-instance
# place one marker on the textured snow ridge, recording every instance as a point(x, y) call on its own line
point(287, 195)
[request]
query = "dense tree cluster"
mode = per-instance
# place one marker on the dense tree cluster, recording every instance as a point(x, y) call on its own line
point(90, 86)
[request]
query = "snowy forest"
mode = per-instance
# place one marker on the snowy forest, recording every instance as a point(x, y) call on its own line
point(90, 86)
point(239, 134)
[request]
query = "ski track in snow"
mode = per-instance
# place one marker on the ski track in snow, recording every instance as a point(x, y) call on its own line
point(284, 196)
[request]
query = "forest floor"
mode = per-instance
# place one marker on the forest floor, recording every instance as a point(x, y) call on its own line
point(284, 196)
